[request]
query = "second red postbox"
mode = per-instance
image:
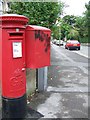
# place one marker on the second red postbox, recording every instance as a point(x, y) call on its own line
point(37, 46)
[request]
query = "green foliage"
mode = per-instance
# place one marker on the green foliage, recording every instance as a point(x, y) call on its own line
point(69, 19)
point(47, 13)
point(67, 27)
point(87, 13)
point(73, 34)
point(81, 26)
point(39, 13)
point(74, 27)
point(55, 30)
point(84, 40)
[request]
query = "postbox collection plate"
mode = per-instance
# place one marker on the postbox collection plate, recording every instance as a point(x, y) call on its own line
point(17, 49)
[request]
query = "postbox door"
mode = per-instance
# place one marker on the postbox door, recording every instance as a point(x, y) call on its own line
point(14, 66)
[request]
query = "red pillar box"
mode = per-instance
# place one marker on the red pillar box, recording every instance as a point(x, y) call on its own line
point(37, 46)
point(13, 65)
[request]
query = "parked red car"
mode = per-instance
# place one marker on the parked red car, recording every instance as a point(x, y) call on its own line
point(72, 44)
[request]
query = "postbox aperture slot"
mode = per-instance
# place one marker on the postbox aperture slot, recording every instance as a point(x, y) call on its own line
point(15, 34)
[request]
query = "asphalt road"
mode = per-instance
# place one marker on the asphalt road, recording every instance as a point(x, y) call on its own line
point(67, 90)
point(70, 65)
point(83, 51)
point(69, 80)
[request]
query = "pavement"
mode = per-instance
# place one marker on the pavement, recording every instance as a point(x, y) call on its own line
point(67, 92)
point(84, 51)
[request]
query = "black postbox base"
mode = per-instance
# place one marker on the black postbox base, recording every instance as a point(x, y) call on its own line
point(14, 108)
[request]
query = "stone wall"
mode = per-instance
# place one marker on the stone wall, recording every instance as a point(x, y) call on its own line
point(31, 81)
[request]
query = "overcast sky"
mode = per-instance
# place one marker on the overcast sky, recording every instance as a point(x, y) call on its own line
point(76, 7)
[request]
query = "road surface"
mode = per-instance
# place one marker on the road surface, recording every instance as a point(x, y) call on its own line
point(71, 72)
point(67, 91)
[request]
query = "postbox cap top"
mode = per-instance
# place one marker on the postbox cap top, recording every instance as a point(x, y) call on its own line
point(34, 27)
point(13, 17)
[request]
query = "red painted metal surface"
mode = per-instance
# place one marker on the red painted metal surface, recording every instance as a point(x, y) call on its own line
point(37, 46)
point(13, 56)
